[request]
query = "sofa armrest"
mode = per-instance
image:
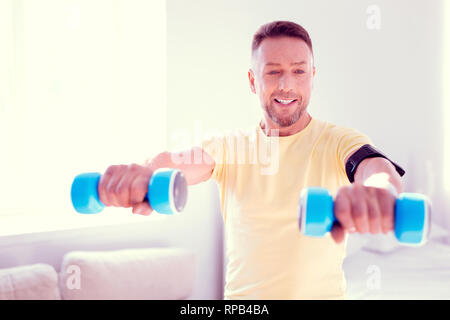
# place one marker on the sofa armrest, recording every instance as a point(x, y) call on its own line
point(30, 282)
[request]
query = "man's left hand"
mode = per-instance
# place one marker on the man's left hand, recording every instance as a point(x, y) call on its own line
point(363, 209)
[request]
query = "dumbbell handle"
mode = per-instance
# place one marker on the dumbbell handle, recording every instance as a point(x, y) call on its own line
point(412, 214)
point(167, 192)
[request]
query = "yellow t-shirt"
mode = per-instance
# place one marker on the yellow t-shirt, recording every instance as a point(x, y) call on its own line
point(260, 179)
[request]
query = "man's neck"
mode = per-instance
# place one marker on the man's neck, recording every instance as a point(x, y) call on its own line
point(267, 125)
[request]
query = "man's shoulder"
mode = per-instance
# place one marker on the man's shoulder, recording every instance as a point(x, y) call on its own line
point(334, 128)
point(329, 131)
point(325, 128)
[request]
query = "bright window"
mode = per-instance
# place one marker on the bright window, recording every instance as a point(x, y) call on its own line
point(82, 87)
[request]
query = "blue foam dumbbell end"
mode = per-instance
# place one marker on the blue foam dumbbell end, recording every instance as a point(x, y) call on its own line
point(167, 191)
point(412, 218)
point(319, 205)
point(84, 193)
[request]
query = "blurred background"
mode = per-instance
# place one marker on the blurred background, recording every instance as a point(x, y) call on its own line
point(87, 84)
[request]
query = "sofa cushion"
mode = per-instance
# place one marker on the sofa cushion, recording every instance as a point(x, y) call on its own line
point(149, 273)
point(30, 282)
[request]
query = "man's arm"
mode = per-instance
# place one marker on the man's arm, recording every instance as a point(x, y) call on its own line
point(377, 172)
point(367, 205)
point(196, 164)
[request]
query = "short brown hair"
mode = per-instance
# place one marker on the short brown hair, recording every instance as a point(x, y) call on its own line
point(279, 29)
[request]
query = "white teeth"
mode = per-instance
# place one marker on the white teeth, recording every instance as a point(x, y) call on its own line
point(284, 101)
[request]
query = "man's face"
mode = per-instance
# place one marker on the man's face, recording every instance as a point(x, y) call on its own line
point(282, 76)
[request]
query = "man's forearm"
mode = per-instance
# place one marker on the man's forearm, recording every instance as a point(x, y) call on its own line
point(196, 165)
point(161, 160)
point(378, 172)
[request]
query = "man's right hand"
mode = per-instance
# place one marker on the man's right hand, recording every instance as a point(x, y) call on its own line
point(126, 186)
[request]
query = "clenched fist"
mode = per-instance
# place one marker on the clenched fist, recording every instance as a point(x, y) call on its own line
point(126, 186)
point(363, 209)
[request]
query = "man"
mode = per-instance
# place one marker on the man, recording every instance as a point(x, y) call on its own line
point(268, 257)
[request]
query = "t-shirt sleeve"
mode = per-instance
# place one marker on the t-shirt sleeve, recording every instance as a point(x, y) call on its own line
point(348, 141)
point(215, 146)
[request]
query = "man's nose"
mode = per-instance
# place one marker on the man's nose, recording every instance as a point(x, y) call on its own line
point(286, 83)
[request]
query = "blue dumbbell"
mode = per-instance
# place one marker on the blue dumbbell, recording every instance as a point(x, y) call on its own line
point(167, 192)
point(411, 221)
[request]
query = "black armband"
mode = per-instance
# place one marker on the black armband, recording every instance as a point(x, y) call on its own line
point(366, 151)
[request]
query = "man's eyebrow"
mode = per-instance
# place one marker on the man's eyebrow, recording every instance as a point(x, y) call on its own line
point(292, 64)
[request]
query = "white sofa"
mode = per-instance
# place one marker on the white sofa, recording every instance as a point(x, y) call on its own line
point(154, 273)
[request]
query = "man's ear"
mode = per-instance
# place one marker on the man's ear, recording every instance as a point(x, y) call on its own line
point(251, 79)
point(314, 75)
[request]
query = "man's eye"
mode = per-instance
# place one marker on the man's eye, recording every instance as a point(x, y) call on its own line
point(299, 71)
point(273, 72)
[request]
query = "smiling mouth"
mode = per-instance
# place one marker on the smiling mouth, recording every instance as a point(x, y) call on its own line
point(285, 102)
